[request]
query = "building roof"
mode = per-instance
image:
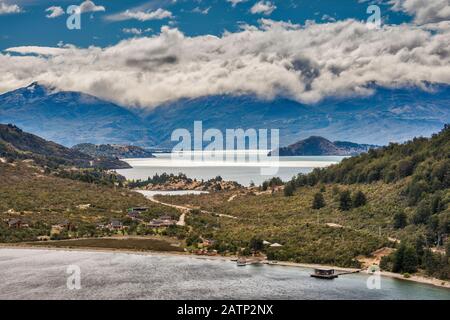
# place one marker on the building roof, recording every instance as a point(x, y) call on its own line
point(138, 209)
point(276, 245)
point(14, 221)
point(116, 223)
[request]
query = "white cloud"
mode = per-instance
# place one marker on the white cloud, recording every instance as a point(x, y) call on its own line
point(85, 7)
point(328, 18)
point(89, 6)
point(9, 8)
point(424, 11)
point(54, 12)
point(276, 59)
point(263, 7)
point(201, 11)
point(135, 31)
point(44, 51)
point(157, 14)
point(268, 24)
point(234, 3)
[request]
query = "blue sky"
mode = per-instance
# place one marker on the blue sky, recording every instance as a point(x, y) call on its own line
point(147, 53)
point(197, 17)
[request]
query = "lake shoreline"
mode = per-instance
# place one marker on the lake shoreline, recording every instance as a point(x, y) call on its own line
point(413, 278)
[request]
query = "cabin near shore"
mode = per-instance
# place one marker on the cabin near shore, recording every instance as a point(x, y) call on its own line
point(324, 274)
point(16, 223)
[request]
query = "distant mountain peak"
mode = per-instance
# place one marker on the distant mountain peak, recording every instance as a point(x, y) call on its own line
point(39, 88)
point(320, 146)
point(70, 117)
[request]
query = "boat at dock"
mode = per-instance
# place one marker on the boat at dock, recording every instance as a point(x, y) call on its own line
point(249, 261)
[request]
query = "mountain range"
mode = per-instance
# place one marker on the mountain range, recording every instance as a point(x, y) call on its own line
point(319, 146)
point(70, 118)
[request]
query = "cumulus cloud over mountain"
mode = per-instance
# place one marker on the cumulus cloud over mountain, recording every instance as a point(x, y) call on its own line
point(303, 63)
point(424, 11)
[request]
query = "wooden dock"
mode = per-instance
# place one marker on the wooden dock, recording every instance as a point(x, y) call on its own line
point(330, 274)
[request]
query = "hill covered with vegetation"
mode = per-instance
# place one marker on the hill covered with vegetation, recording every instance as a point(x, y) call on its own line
point(17, 144)
point(421, 169)
point(319, 146)
point(113, 151)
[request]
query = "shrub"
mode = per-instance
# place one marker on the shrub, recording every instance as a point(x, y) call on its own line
point(345, 201)
point(405, 168)
point(400, 220)
point(289, 189)
point(359, 199)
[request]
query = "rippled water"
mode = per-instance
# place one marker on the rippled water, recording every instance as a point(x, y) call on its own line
point(41, 274)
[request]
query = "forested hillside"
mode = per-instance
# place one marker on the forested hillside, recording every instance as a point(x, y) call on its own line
point(17, 144)
point(422, 165)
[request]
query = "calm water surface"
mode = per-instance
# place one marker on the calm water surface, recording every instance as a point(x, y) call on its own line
point(243, 172)
point(41, 274)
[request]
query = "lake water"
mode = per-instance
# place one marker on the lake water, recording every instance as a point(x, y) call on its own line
point(41, 274)
point(243, 171)
point(152, 193)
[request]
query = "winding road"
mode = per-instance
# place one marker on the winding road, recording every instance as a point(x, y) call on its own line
point(184, 210)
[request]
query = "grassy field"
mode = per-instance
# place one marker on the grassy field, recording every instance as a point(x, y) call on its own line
point(278, 210)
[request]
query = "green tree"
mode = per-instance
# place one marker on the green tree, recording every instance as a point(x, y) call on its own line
point(400, 220)
point(422, 214)
point(265, 186)
point(405, 168)
point(410, 260)
point(437, 205)
point(256, 244)
point(289, 189)
point(359, 199)
point(345, 200)
point(405, 259)
point(318, 201)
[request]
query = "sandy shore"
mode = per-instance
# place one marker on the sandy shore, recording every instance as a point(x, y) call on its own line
point(413, 278)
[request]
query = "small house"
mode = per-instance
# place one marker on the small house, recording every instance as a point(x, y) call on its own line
point(15, 223)
point(138, 209)
point(206, 243)
point(159, 223)
point(134, 215)
point(66, 225)
point(116, 225)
